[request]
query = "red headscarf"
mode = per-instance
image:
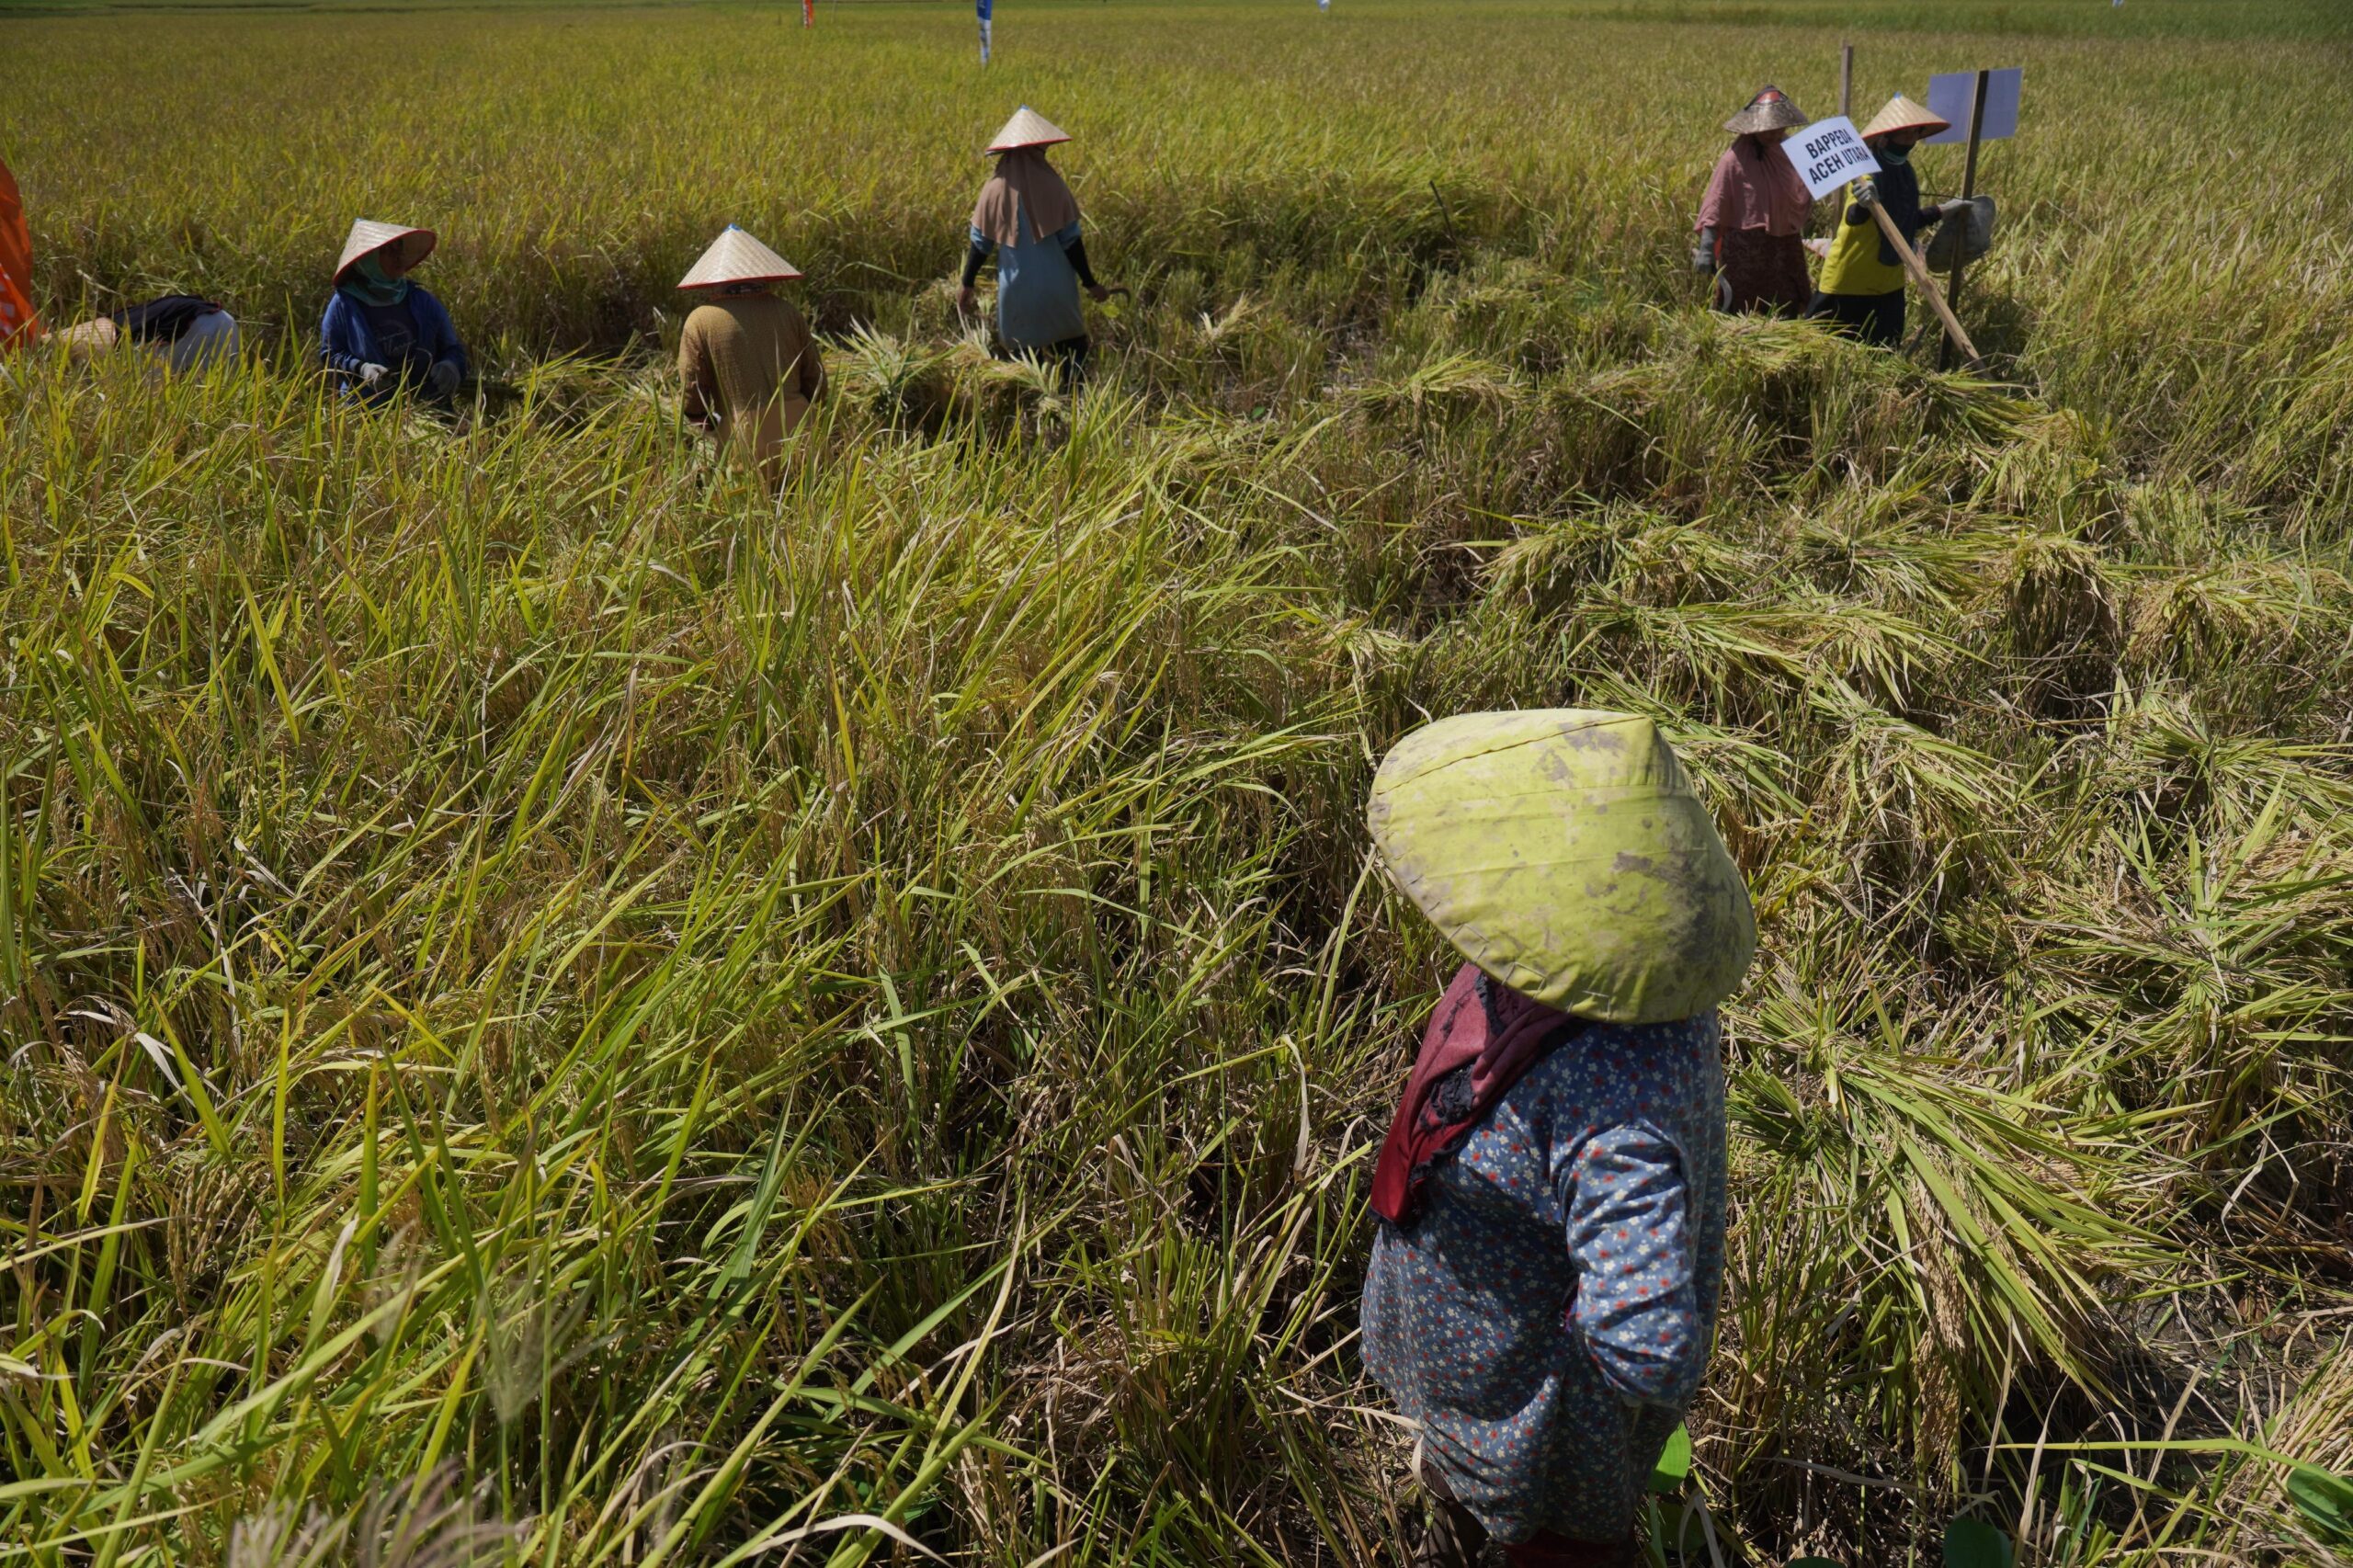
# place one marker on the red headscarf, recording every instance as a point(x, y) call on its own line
point(1482, 1040)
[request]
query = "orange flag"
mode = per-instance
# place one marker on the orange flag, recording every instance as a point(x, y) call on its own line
point(19, 323)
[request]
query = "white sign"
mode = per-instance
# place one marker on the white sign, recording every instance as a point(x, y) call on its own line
point(1828, 154)
point(1952, 94)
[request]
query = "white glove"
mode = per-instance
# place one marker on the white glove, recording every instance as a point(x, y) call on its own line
point(443, 378)
point(1865, 193)
point(371, 374)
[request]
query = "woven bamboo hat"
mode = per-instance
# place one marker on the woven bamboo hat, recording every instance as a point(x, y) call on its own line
point(367, 238)
point(1770, 109)
point(1903, 114)
point(1028, 127)
point(736, 257)
point(1563, 851)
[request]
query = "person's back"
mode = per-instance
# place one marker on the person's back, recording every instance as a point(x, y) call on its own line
point(747, 360)
point(1598, 1182)
point(1542, 1290)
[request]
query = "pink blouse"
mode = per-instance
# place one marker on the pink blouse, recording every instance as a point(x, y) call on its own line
point(1755, 186)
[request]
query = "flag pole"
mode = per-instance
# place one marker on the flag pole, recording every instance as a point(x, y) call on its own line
point(1968, 189)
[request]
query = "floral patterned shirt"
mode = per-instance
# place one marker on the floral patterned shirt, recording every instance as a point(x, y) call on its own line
point(1547, 1317)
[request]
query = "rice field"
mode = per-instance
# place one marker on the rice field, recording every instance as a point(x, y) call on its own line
point(563, 1009)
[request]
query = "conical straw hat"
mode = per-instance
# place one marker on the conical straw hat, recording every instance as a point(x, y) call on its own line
point(1563, 851)
point(367, 238)
point(1770, 109)
point(1903, 114)
point(736, 257)
point(1028, 127)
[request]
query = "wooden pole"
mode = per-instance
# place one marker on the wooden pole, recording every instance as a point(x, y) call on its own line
point(1846, 78)
point(1968, 189)
point(1919, 275)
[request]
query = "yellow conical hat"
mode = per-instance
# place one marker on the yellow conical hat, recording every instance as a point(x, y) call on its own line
point(1903, 114)
point(736, 257)
point(1563, 851)
point(367, 238)
point(1028, 127)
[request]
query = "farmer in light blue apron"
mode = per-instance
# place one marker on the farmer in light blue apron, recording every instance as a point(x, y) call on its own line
point(1028, 220)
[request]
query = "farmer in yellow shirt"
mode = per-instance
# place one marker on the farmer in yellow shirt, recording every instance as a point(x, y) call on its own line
point(1861, 289)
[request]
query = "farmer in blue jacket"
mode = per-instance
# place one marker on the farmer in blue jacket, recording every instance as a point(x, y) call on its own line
point(382, 332)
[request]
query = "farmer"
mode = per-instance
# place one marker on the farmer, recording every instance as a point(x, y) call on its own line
point(1543, 1289)
point(1863, 278)
point(382, 332)
point(180, 332)
point(1752, 221)
point(749, 366)
point(1028, 218)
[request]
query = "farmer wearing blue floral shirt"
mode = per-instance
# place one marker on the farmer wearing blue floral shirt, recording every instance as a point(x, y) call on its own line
point(1542, 1292)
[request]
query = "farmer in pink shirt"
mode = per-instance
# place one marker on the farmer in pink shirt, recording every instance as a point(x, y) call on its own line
point(1752, 221)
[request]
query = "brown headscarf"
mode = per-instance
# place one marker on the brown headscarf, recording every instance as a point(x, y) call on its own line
point(1043, 198)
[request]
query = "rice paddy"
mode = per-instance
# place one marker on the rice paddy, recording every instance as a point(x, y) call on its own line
point(563, 1009)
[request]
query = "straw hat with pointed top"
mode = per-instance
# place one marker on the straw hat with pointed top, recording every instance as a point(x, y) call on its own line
point(1903, 114)
point(1028, 127)
point(367, 238)
point(736, 257)
point(1566, 852)
point(1770, 109)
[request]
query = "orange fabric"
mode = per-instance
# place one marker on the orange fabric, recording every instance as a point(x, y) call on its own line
point(19, 324)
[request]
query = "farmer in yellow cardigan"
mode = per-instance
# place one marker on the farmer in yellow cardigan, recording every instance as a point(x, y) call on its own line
point(1861, 289)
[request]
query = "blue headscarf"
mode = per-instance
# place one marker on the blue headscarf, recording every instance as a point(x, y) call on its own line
point(369, 284)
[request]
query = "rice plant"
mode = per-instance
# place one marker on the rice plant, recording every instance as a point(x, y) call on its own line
point(564, 1008)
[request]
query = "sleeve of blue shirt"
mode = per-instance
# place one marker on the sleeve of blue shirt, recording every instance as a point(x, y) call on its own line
point(339, 342)
point(439, 334)
point(1636, 1309)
